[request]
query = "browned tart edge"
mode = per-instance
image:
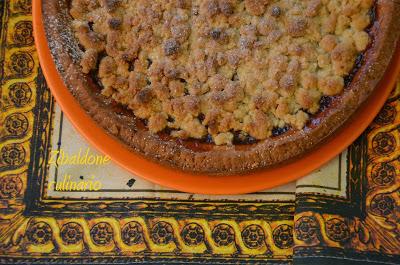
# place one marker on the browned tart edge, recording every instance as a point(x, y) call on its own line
point(222, 159)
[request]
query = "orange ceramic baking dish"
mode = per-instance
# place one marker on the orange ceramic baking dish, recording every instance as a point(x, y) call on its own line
point(198, 183)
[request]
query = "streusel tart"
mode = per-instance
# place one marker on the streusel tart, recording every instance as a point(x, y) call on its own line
point(222, 86)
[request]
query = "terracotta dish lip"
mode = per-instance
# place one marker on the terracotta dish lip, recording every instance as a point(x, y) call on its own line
point(203, 183)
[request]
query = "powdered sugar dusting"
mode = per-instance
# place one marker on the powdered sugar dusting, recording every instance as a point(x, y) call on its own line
point(65, 42)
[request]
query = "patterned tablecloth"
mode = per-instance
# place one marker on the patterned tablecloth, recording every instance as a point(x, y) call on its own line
point(344, 213)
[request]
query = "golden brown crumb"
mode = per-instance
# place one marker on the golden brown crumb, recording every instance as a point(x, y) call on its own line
point(343, 58)
point(89, 60)
point(256, 7)
point(223, 138)
point(259, 125)
point(297, 26)
point(330, 85)
point(313, 8)
point(328, 43)
point(157, 122)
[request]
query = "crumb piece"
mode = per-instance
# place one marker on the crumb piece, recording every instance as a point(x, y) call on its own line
point(223, 138)
point(89, 60)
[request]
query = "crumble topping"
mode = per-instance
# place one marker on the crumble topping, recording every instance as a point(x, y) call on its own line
point(219, 67)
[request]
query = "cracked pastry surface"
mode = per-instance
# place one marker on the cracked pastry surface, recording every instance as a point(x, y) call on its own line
point(220, 67)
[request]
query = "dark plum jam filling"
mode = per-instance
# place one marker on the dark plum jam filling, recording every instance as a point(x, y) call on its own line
point(277, 131)
point(239, 139)
point(357, 65)
point(324, 103)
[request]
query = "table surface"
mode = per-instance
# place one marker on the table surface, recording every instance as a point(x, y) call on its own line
point(347, 211)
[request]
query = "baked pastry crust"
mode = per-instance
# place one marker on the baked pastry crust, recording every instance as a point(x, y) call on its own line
point(197, 156)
